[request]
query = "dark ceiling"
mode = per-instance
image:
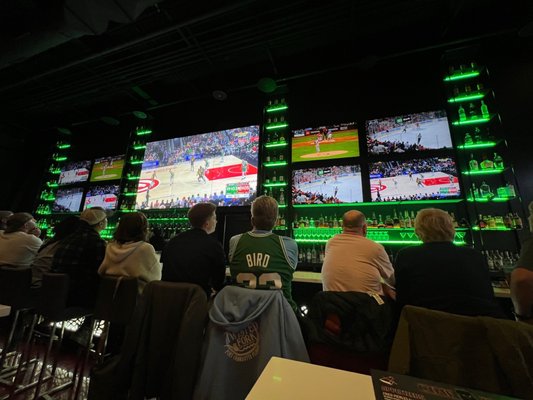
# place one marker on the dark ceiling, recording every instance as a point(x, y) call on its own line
point(65, 62)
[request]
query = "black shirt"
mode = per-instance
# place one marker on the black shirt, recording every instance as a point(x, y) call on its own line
point(194, 257)
point(445, 277)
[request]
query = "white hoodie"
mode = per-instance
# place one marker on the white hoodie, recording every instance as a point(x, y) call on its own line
point(135, 259)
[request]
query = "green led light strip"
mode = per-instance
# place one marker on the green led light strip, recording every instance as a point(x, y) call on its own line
point(461, 75)
point(503, 229)
point(63, 146)
point(320, 241)
point(282, 205)
point(133, 178)
point(144, 132)
point(475, 120)
point(275, 184)
point(60, 158)
point(125, 210)
point(487, 200)
point(379, 203)
point(485, 171)
point(280, 228)
point(136, 162)
point(277, 108)
point(168, 219)
point(55, 172)
point(466, 97)
point(139, 147)
point(275, 164)
point(52, 185)
point(477, 145)
point(129, 194)
point(277, 126)
point(276, 144)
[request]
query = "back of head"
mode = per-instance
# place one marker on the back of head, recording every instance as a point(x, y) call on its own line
point(132, 227)
point(434, 225)
point(264, 213)
point(4, 215)
point(353, 221)
point(93, 216)
point(200, 213)
point(18, 222)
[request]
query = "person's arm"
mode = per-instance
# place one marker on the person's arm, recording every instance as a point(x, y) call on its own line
point(291, 248)
point(522, 294)
point(232, 246)
point(385, 267)
point(152, 272)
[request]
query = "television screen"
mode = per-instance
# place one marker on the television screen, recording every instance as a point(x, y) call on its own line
point(336, 184)
point(107, 168)
point(325, 142)
point(68, 200)
point(420, 179)
point(220, 167)
point(76, 171)
point(409, 133)
point(105, 196)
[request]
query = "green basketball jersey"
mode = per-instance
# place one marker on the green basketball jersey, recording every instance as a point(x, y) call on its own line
point(260, 261)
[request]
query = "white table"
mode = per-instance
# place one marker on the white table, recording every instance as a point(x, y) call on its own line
point(293, 380)
point(4, 310)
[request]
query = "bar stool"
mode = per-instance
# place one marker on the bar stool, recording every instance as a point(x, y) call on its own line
point(53, 307)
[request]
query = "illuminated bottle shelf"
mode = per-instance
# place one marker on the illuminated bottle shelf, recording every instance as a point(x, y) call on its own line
point(136, 162)
point(279, 228)
point(275, 164)
point(55, 171)
point(127, 210)
point(60, 158)
point(282, 205)
point(168, 219)
point(495, 199)
point(139, 147)
point(143, 132)
point(492, 171)
point(462, 75)
point(63, 146)
point(500, 229)
point(276, 107)
point(52, 184)
point(467, 97)
point(276, 125)
point(472, 121)
point(275, 184)
point(380, 203)
point(129, 194)
point(134, 178)
point(271, 145)
point(481, 145)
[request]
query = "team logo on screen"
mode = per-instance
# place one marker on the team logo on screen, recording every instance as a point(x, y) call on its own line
point(147, 184)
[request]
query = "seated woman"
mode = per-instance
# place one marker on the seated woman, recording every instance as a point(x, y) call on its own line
point(441, 276)
point(129, 254)
point(43, 260)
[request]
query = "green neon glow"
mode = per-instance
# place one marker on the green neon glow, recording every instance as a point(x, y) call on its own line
point(380, 203)
point(275, 184)
point(274, 164)
point(56, 171)
point(475, 120)
point(143, 132)
point(133, 178)
point(277, 126)
point(466, 97)
point(63, 146)
point(139, 147)
point(168, 219)
point(483, 145)
point(50, 198)
point(487, 199)
point(126, 210)
point(276, 144)
point(280, 228)
point(60, 158)
point(477, 228)
point(277, 108)
point(485, 171)
point(456, 242)
point(282, 205)
point(130, 194)
point(461, 75)
point(136, 162)
point(52, 184)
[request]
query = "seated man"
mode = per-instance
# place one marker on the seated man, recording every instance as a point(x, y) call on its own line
point(522, 279)
point(261, 259)
point(18, 244)
point(80, 254)
point(4, 215)
point(194, 256)
point(352, 262)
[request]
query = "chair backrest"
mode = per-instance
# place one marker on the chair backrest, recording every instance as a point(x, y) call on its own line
point(53, 295)
point(15, 287)
point(116, 300)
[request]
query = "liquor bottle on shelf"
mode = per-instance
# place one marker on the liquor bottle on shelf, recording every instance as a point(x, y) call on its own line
point(472, 113)
point(468, 139)
point(498, 161)
point(477, 135)
point(308, 256)
point(486, 163)
point(474, 191)
point(322, 254)
point(510, 190)
point(484, 190)
point(508, 221)
point(473, 164)
point(462, 113)
point(274, 177)
point(395, 220)
point(281, 198)
point(481, 222)
point(314, 255)
point(484, 110)
point(517, 221)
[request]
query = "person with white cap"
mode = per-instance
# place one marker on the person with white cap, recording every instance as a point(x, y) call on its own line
point(18, 246)
point(80, 254)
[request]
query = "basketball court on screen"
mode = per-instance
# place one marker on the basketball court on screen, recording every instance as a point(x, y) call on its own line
point(348, 187)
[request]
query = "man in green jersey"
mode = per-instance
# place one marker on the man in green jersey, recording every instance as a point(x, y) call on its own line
point(260, 259)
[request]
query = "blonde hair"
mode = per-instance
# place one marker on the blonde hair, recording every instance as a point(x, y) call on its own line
point(434, 225)
point(264, 213)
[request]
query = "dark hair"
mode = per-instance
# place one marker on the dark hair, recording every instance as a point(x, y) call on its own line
point(200, 213)
point(131, 228)
point(17, 221)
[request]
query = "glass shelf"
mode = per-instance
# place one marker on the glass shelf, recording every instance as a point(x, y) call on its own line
point(274, 164)
point(275, 184)
point(169, 219)
point(276, 144)
point(52, 184)
point(279, 228)
point(56, 171)
point(502, 229)
point(127, 210)
point(490, 199)
point(467, 97)
point(390, 242)
point(63, 146)
point(481, 145)
point(60, 158)
point(492, 171)
point(380, 203)
point(276, 125)
point(462, 75)
point(130, 194)
point(276, 107)
point(143, 132)
point(136, 162)
point(134, 178)
point(475, 120)
point(139, 147)
point(282, 205)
